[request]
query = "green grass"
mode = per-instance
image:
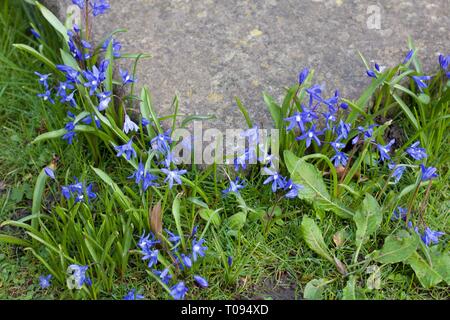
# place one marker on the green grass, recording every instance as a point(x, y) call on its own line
point(276, 264)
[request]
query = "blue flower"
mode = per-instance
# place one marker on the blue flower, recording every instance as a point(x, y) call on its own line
point(186, 260)
point(132, 295)
point(308, 115)
point(71, 73)
point(310, 135)
point(235, 186)
point(69, 99)
point(88, 120)
point(93, 79)
point(198, 249)
point(49, 172)
point(161, 142)
point(420, 81)
point(35, 33)
point(174, 175)
point(296, 119)
point(126, 77)
point(178, 291)
point(399, 213)
point(70, 132)
point(62, 87)
point(371, 74)
point(145, 122)
point(408, 56)
point(384, 150)
point(43, 78)
point(147, 242)
point(329, 118)
point(44, 281)
point(173, 238)
point(398, 171)
point(126, 149)
point(151, 256)
point(292, 189)
point(116, 46)
point(164, 275)
point(79, 3)
point(194, 231)
point(343, 130)
point(340, 158)
point(105, 99)
point(242, 160)
point(99, 7)
point(315, 93)
point(129, 125)
point(416, 152)
point(201, 281)
point(428, 173)
point(367, 133)
point(78, 276)
point(46, 96)
point(230, 261)
point(278, 181)
point(303, 75)
point(431, 237)
point(444, 61)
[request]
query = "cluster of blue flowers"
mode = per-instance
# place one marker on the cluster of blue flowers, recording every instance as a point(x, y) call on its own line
point(79, 191)
point(76, 277)
point(148, 247)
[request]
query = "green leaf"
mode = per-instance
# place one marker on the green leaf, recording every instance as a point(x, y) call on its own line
point(315, 190)
point(314, 289)
point(407, 111)
point(49, 135)
point(274, 110)
point(37, 197)
point(427, 274)
point(123, 200)
point(189, 119)
point(397, 248)
point(35, 54)
point(177, 216)
point(54, 21)
point(313, 238)
point(14, 240)
point(424, 98)
point(237, 221)
point(351, 291)
point(244, 112)
point(147, 110)
point(213, 215)
point(368, 219)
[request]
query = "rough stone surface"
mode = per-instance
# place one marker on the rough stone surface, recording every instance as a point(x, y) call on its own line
point(210, 51)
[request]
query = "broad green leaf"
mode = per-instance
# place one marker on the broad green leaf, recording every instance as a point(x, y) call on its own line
point(428, 275)
point(407, 111)
point(177, 217)
point(314, 239)
point(4, 238)
point(441, 262)
point(123, 200)
point(351, 291)
point(54, 21)
point(274, 109)
point(237, 221)
point(397, 248)
point(314, 289)
point(213, 215)
point(147, 110)
point(35, 54)
point(244, 112)
point(315, 190)
point(37, 197)
point(368, 219)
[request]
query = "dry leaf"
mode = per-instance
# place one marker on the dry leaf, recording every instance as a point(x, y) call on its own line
point(340, 266)
point(156, 219)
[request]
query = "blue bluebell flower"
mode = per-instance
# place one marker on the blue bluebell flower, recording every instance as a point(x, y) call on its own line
point(315, 93)
point(151, 256)
point(337, 144)
point(46, 96)
point(173, 176)
point(145, 122)
point(71, 73)
point(69, 99)
point(35, 33)
point(201, 281)
point(173, 238)
point(164, 275)
point(187, 262)
point(146, 242)
point(79, 3)
point(49, 172)
point(62, 87)
point(366, 133)
point(278, 181)
point(179, 291)
point(235, 186)
point(340, 158)
point(99, 7)
point(310, 135)
point(78, 276)
point(303, 75)
point(105, 99)
point(88, 120)
point(344, 105)
point(416, 152)
point(43, 78)
point(408, 56)
point(343, 130)
point(428, 173)
point(132, 295)
point(116, 46)
point(44, 281)
point(431, 237)
point(70, 132)
point(230, 261)
point(444, 61)
point(126, 77)
point(198, 249)
point(161, 142)
point(126, 149)
point(292, 189)
point(398, 171)
point(330, 118)
point(295, 120)
point(371, 74)
point(93, 79)
point(243, 159)
point(149, 181)
point(384, 150)
point(399, 213)
point(420, 81)
point(129, 125)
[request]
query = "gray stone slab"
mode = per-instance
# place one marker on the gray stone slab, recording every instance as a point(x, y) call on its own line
point(209, 51)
